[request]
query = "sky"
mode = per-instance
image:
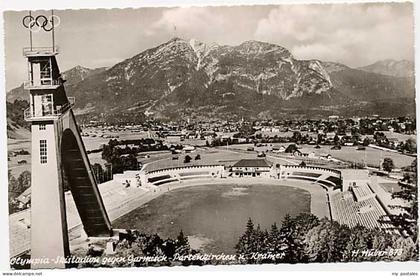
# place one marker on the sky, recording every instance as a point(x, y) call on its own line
point(355, 34)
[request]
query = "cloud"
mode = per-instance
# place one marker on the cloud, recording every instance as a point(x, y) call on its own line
point(189, 21)
point(355, 34)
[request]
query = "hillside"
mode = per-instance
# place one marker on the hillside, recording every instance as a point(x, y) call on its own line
point(72, 76)
point(390, 67)
point(16, 125)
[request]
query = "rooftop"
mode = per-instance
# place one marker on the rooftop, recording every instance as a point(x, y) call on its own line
point(252, 163)
point(354, 174)
point(25, 196)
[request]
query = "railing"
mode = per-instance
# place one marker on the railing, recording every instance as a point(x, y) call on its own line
point(54, 113)
point(33, 51)
point(185, 168)
point(44, 83)
point(337, 172)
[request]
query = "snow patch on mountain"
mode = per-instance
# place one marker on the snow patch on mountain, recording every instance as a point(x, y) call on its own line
point(317, 66)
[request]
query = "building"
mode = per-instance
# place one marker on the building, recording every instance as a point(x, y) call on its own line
point(278, 149)
point(303, 153)
point(24, 199)
point(352, 177)
point(333, 118)
point(251, 167)
point(58, 159)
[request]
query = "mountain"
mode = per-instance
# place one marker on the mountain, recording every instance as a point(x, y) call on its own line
point(390, 67)
point(72, 76)
point(16, 125)
point(183, 77)
point(188, 78)
point(79, 73)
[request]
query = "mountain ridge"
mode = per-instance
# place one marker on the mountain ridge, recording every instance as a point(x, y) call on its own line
point(391, 67)
point(72, 76)
point(190, 78)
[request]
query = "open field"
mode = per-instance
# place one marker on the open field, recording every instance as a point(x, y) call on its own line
point(17, 145)
point(213, 156)
point(215, 215)
point(399, 136)
point(92, 143)
point(371, 156)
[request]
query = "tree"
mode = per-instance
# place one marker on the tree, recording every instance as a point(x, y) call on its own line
point(274, 242)
point(245, 131)
point(297, 137)
point(359, 239)
point(388, 164)
point(13, 205)
point(336, 139)
point(246, 244)
point(187, 159)
point(409, 249)
point(19, 185)
point(291, 148)
point(410, 145)
point(198, 157)
point(407, 221)
point(366, 141)
point(292, 234)
point(326, 242)
point(305, 238)
point(98, 171)
point(182, 244)
point(319, 139)
point(153, 246)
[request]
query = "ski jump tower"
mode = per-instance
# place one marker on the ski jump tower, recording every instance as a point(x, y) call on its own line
point(59, 158)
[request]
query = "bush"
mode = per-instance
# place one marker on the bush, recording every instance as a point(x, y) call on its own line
point(388, 164)
point(187, 159)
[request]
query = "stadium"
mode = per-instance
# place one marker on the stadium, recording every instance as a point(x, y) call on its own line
point(133, 199)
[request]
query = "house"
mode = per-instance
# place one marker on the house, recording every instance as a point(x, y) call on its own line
point(303, 153)
point(326, 157)
point(189, 149)
point(308, 154)
point(278, 149)
point(24, 198)
point(333, 118)
point(393, 142)
point(251, 167)
point(330, 136)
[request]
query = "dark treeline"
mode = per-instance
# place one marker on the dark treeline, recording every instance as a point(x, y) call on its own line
point(123, 154)
point(15, 113)
point(407, 221)
point(139, 244)
point(116, 147)
point(16, 187)
point(102, 174)
point(305, 239)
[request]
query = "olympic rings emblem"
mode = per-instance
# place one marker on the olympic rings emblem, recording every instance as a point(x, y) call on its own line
point(35, 24)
